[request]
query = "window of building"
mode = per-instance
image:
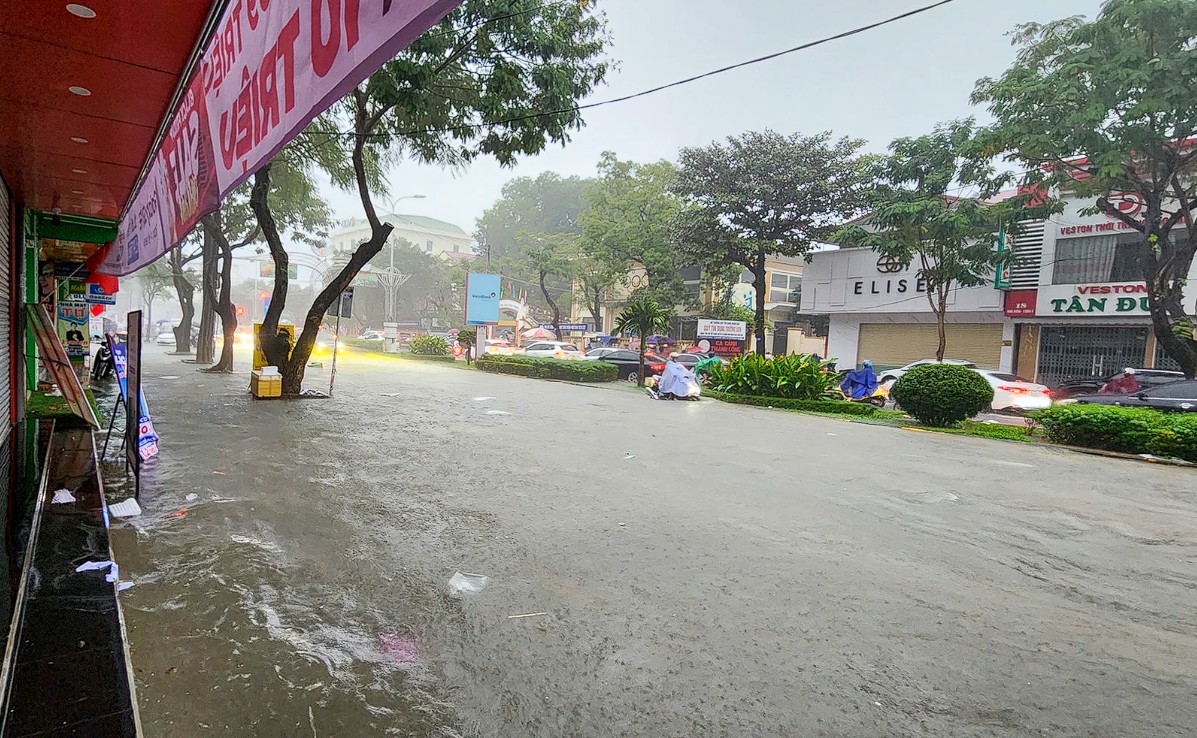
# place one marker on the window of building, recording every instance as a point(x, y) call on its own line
point(785, 287)
point(428, 246)
point(1104, 258)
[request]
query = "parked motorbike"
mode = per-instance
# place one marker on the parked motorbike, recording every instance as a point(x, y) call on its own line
point(691, 390)
point(103, 366)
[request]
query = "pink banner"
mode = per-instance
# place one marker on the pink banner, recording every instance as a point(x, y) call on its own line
point(271, 67)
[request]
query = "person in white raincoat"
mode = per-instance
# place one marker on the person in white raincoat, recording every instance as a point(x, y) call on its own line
point(677, 380)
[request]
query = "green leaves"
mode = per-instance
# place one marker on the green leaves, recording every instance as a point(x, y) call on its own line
point(795, 377)
point(642, 317)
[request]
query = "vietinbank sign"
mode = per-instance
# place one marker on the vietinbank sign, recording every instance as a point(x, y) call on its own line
point(269, 69)
point(482, 299)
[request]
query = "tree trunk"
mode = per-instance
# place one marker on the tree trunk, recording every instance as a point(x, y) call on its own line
point(758, 283)
point(186, 293)
point(149, 318)
point(223, 304)
point(643, 345)
point(277, 352)
point(205, 348)
point(552, 305)
point(940, 316)
point(596, 309)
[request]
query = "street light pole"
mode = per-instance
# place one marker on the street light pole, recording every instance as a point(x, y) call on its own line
point(391, 278)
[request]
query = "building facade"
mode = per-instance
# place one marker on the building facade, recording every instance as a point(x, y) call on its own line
point(432, 236)
point(1074, 306)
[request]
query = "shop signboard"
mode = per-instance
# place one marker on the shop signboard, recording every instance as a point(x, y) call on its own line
point(735, 329)
point(1093, 300)
point(482, 299)
point(572, 327)
point(147, 437)
point(72, 326)
point(1020, 303)
point(268, 70)
point(721, 346)
point(96, 295)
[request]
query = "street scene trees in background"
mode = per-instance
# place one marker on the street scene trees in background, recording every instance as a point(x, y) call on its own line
point(184, 281)
point(1106, 109)
point(155, 280)
point(228, 229)
point(766, 193)
point(915, 217)
point(630, 222)
point(642, 317)
point(551, 255)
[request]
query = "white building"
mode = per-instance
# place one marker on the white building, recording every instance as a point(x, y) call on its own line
point(432, 236)
point(879, 311)
point(1075, 306)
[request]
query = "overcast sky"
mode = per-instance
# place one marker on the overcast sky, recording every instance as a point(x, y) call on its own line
point(898, 80)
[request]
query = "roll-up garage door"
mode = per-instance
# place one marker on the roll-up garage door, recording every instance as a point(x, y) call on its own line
point(889, 344)
point(5, 314)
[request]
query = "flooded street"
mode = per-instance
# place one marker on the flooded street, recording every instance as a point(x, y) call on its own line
point(682, 569)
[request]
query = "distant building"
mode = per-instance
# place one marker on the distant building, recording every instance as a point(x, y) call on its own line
point(432, 236)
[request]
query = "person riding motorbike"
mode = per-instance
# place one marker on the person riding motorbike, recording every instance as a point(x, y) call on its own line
point(677, 382)
point(860, 384)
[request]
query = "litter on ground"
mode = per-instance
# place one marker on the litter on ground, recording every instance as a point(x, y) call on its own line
point(126, 509)
point(468, 584)
point(62, 496)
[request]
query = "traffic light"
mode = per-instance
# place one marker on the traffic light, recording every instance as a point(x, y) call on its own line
point(240, 311)
point(263, 295)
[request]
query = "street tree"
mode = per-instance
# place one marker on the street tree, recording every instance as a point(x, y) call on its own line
point(916, 218)
point(154, 279)
point(229, 228)
point(595, 279)
point(184, 281)
point(630, 222)
point(1108, 109)
point(642, 317)
point(550, 257)
point(485, 81)
point(766, 193)
point(467, 338)
point(548, 203)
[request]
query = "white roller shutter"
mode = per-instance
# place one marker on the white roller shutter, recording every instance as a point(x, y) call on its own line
point(891, 344)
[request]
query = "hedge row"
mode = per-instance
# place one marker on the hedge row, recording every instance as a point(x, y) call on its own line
point(816, 406)
point(574, 370)
point(1124, 429)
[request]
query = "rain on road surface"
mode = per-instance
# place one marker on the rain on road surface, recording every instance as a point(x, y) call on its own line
point(703, 569)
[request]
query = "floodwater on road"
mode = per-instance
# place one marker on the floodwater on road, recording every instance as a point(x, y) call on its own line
point(656, 569)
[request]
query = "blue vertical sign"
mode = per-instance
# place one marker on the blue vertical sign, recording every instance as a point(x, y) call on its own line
point(482, 299)
point(147, 437)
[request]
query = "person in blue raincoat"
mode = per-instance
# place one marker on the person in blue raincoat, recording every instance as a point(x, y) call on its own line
point(860, 384)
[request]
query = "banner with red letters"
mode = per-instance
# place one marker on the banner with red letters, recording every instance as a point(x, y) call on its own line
point(269, 69)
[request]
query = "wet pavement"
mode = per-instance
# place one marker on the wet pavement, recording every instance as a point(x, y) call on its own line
point(699, 569)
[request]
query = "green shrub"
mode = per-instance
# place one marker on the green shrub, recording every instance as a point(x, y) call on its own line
point(1130, 430)
point(941, 395)
point(796, 377)
point(573, 370)
point(365, 343)
point(446, 358)
point(840, 407)
point(430, 346)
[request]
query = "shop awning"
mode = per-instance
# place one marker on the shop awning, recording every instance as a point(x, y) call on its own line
point(84, 88)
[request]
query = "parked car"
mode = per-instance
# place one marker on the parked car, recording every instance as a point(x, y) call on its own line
point(165, 338)
point(601, 351)
point(628, 362)
point(1146, 378)
point(498, 346)
point(552, 350)
point(370, 336)
point(1178, 397)
point(892, 375)
point(1012, 393)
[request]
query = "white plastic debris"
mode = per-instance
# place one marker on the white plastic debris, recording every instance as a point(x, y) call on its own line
point(62, 496)
point(93, 566)
point(114, 574)
point(627, 457)
point(497, 412)
point(126, 509)
point(192, 497)
point(482, 399)
point(468, 584)
point(168, 376)
point(123, 586)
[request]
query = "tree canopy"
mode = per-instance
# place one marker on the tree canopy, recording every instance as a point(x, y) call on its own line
point(1108, 109)
point(766, 193)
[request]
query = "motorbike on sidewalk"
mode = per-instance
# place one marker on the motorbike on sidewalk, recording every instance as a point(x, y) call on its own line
point(690, 389)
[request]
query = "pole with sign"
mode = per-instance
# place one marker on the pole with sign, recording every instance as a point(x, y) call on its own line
point(344, 309)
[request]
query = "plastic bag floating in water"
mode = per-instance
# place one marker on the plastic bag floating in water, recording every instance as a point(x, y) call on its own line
point(468, 584)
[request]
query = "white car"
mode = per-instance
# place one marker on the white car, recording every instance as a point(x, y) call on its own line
point(552, 350)
point(497, 346)
point(1012, 393)
point(892, 375)
point(165, 338)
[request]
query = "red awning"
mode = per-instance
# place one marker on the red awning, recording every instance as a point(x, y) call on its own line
point(83, 89)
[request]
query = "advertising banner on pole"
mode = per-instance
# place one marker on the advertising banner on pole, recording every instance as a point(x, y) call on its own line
point(482, 299)
point(267, 71)
point(147, 437)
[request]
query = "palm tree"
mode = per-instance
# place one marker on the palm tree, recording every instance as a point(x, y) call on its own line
point(643, 317)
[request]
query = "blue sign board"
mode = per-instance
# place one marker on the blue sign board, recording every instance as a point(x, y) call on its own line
point(147, 437)
point(575, 327)
point(97, 296)
point(482, 299)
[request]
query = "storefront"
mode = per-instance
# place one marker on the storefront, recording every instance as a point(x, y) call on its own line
point(878, 310)
point(1078, 307)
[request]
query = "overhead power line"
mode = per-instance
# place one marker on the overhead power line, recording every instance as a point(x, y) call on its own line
point(643, 93)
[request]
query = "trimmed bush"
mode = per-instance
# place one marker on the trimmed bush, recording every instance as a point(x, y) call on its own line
point(942, 395)
point(840, 407)
point(572, 370)
point(434, 358)
point(430, 346)
point(365, 343)
point(796, 377)
point(1130, 430)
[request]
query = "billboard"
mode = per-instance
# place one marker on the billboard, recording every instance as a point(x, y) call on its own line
point(734, 329)
point(267, 71)
point(147, 437)
point(482, 299)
